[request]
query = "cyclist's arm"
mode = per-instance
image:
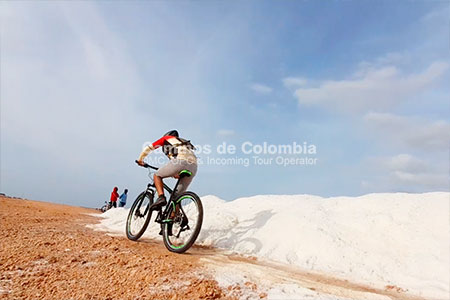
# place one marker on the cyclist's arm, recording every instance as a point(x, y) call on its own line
point(145, 152)
point(152, 147)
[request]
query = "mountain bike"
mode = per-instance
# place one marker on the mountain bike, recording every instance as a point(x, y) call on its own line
point(106, 206)
point(181, 219)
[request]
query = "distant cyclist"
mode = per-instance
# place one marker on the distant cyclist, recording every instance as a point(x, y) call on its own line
point(181, 155)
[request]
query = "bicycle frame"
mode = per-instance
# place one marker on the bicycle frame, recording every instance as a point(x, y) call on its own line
point(162, 214)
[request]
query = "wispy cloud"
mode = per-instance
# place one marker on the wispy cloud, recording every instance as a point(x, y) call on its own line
point(427, 139)
point(77, 97)
point(389, 59)
point(404, 163)
point(291, 82)
point(407, 172)
point(225, 132)
point(260, 88)
point(370, 88)
point(411, 132)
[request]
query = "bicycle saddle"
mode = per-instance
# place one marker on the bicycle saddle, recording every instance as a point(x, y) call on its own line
point(185, 173)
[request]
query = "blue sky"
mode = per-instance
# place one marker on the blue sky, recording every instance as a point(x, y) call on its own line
point(85, 84)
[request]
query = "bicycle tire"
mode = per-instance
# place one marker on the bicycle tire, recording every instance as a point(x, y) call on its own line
point(136, 205)
point(185, 245)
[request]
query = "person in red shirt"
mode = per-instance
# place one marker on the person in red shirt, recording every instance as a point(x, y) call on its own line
point(114, 197)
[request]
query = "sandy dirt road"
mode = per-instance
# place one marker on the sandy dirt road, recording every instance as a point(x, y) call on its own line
point(268, 274)
point(46, 252)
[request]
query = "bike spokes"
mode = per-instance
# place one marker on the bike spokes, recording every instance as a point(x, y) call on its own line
point(185, 222)
point(139, 216)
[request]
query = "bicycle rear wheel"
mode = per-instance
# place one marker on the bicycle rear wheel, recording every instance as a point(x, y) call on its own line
point(184, 222)
point(139, 216)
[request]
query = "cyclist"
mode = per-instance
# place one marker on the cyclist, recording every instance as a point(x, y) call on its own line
point(181, 157)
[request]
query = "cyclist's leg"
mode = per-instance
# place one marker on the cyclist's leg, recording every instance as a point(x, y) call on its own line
point(186, 181)
point(158, 184)
point(183, 184)
point(169, 170)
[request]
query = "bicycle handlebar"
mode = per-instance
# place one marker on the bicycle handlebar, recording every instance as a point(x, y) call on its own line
point(146, 166)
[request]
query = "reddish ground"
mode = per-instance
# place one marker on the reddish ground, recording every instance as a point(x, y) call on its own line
point(46, 252)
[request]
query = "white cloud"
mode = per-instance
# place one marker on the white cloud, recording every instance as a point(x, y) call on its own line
point(370, 88)
point(407, 172)
point(434, 16)
point(428, 180)
point(260, 88)
point(77, 91)
point(83, 99)
point(412, 132)
point(293, 82)
point(389, 59)
point(225, 132)
point(405, 163)
point(68, 97)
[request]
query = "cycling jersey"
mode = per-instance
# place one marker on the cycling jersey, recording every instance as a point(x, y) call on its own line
point(173, 147)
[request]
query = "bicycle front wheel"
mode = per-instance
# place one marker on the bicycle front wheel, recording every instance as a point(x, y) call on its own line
point(139, 216)
point(183, 223)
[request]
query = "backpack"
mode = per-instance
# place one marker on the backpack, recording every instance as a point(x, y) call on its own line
point(170, 150)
